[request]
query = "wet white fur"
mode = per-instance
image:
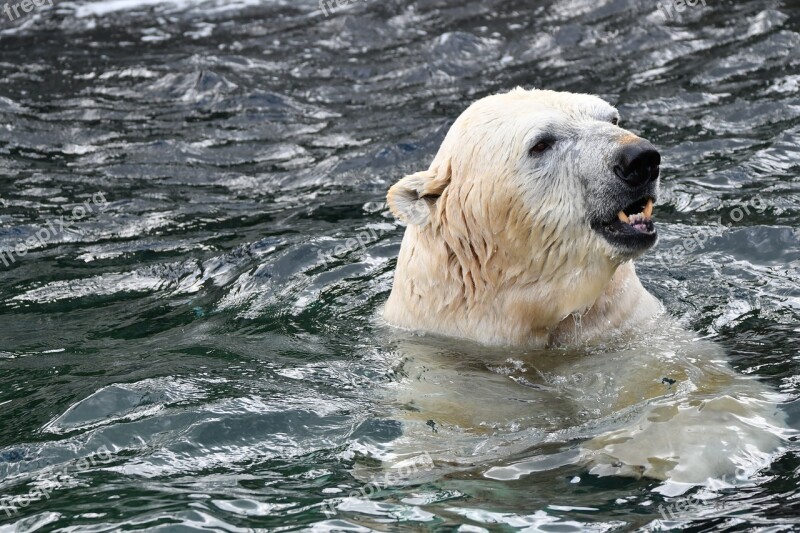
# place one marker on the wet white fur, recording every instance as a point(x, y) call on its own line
point(498, 248)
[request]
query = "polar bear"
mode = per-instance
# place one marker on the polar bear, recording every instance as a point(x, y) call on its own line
point(520, 237)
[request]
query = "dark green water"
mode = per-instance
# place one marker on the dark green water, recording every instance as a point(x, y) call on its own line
point(181, 356)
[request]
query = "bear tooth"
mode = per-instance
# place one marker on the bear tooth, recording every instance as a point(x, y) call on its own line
point(623, 217)
point(648, 210)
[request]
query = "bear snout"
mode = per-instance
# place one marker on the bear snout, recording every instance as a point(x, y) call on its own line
point(638, 163)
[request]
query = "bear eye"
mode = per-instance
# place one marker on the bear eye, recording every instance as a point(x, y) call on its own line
point(615, 121)
point(541, 147)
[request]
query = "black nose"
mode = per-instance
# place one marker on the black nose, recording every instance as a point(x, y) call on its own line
point(638, 163)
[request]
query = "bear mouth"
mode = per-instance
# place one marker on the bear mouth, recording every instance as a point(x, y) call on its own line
point(632, 229)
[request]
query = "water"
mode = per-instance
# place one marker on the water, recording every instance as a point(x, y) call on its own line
point(182, 355)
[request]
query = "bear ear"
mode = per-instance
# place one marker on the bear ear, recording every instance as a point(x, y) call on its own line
point(412, 198)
